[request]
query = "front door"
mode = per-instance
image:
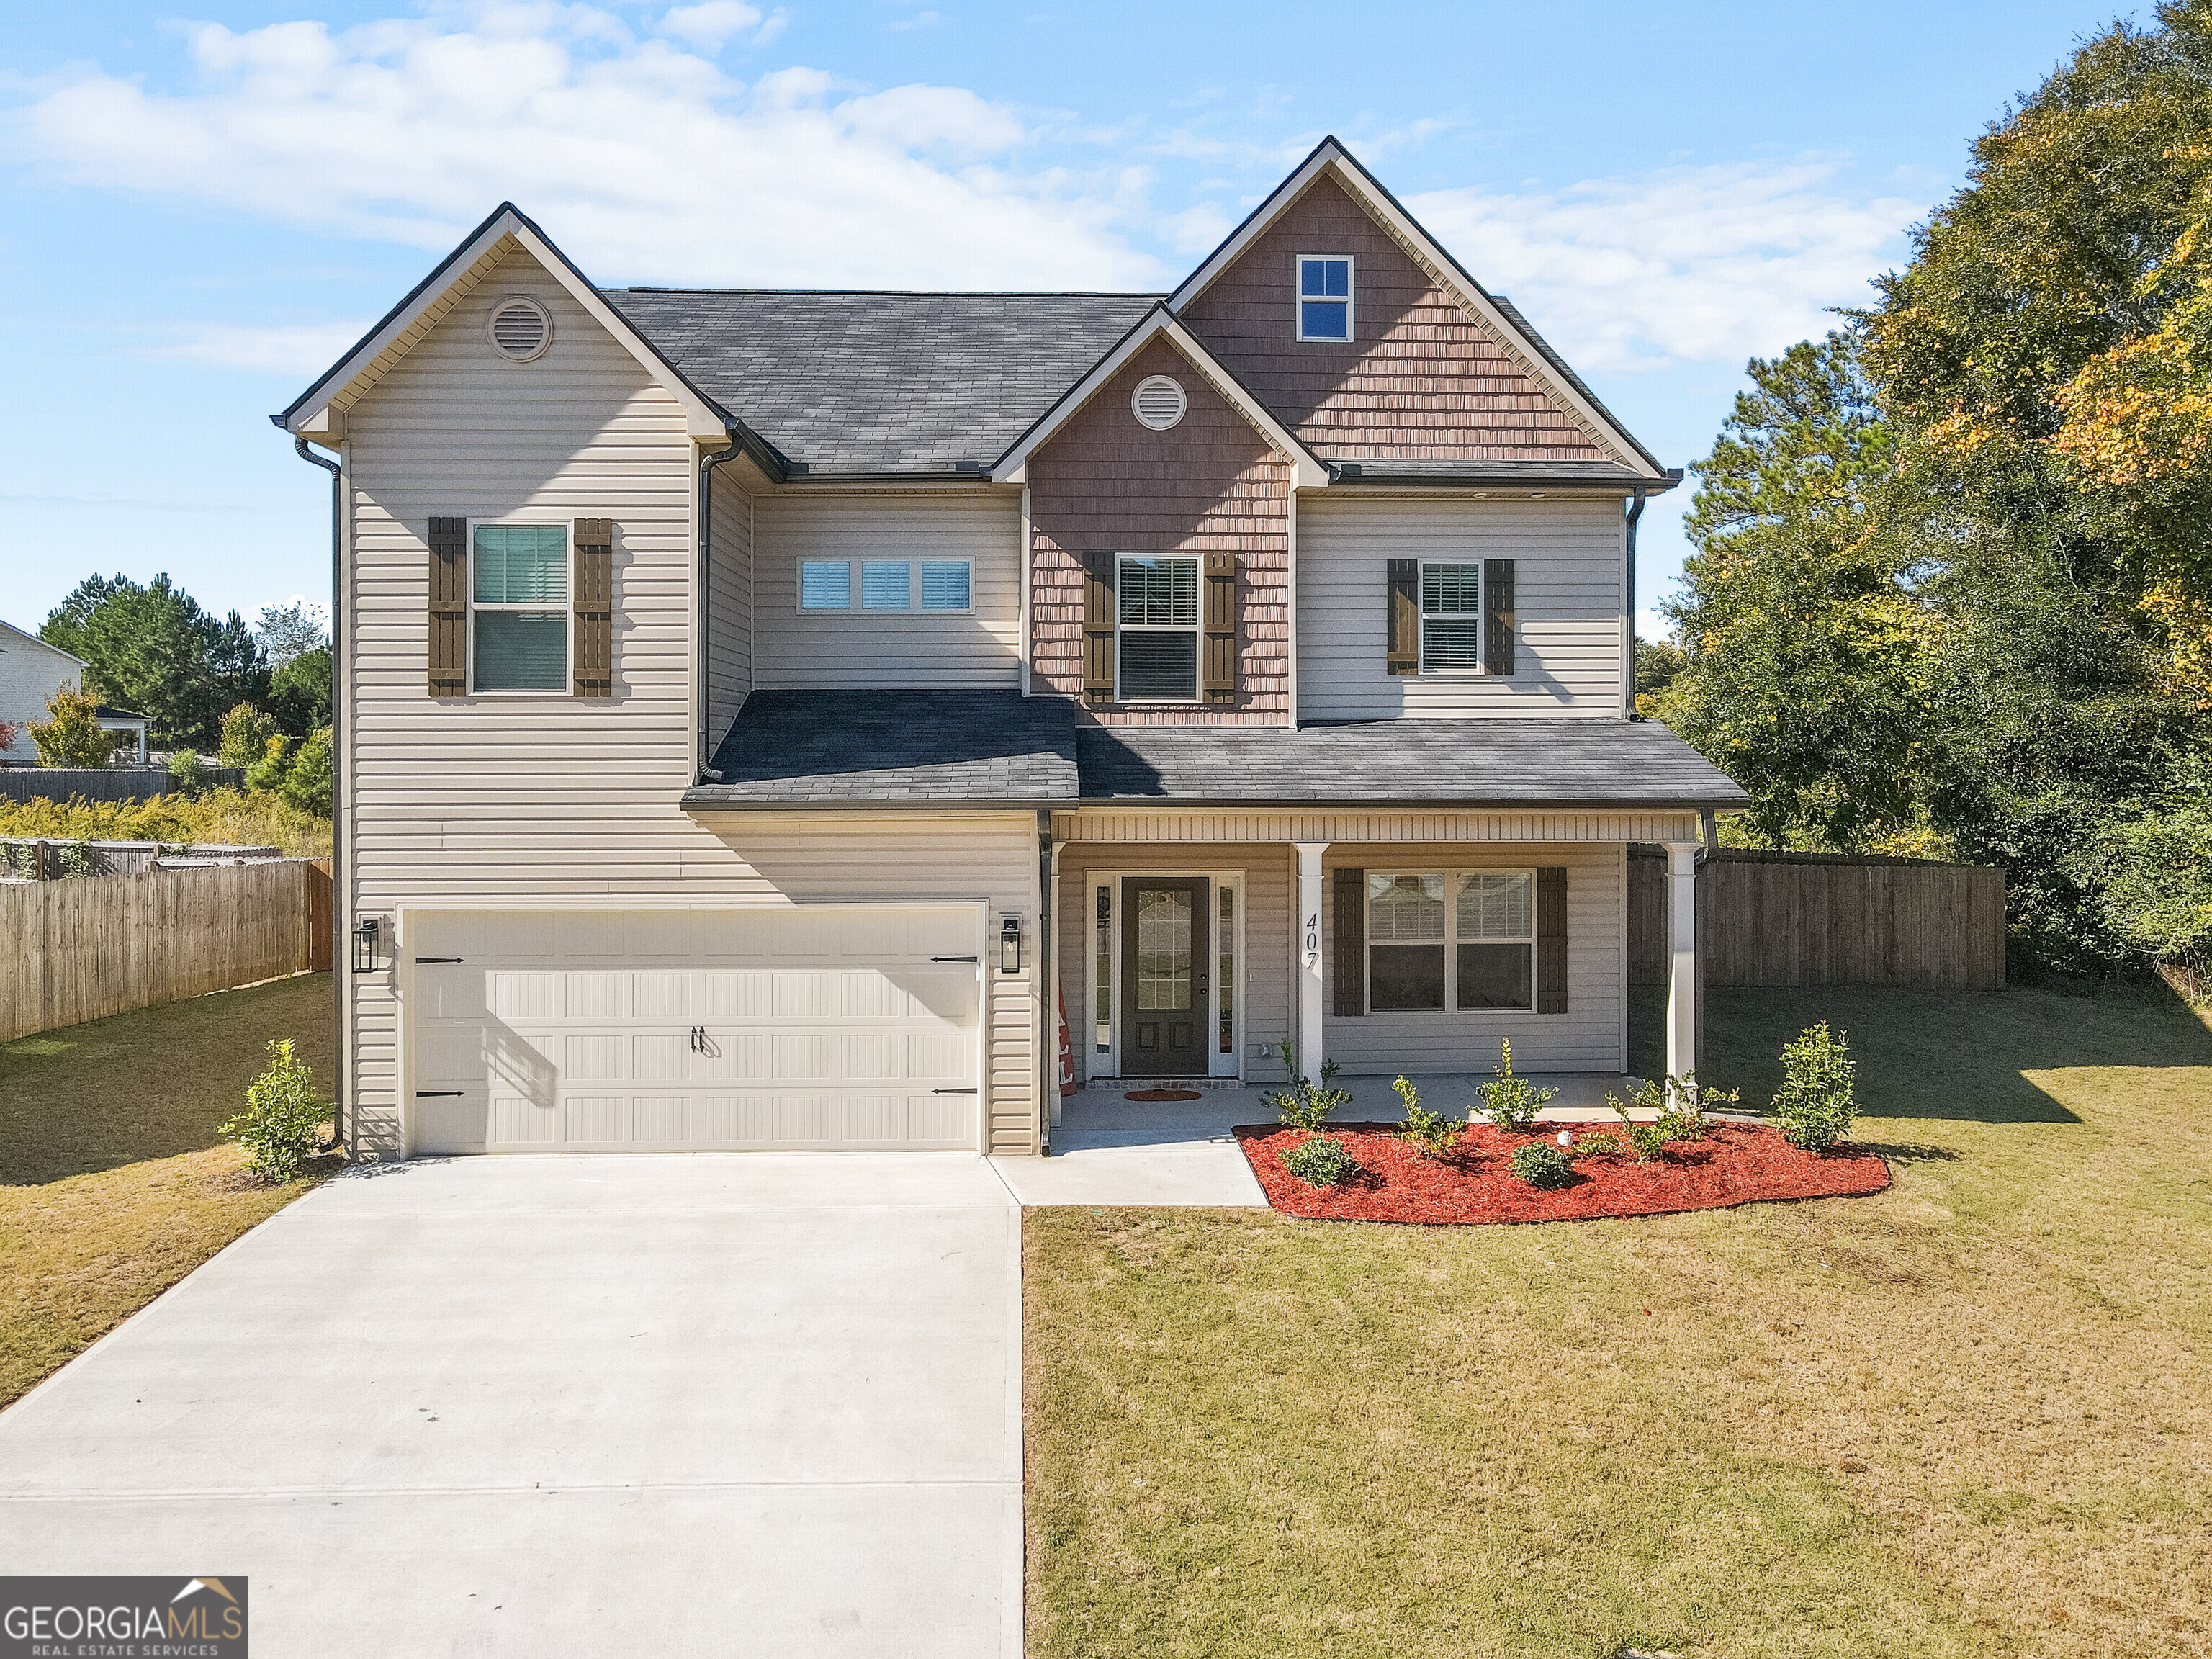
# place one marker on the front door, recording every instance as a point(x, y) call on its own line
point(1163, 978)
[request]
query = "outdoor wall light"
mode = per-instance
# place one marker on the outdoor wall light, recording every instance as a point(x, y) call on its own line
point(1010, 944)
point(364, 944)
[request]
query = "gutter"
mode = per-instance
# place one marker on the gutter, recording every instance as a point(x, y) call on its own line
point(701, 754)
point(342, 1120)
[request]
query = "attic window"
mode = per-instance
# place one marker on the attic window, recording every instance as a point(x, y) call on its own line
point(520, 329)
point(1159, 402)
point(1324, 296)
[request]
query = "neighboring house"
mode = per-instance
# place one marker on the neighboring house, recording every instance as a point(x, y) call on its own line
point(755, 705)
point(30, 670)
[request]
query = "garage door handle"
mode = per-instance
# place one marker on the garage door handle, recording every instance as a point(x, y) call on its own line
point(952, 1092)
point(436, 1094)
point(952, 958)
point(437, 958)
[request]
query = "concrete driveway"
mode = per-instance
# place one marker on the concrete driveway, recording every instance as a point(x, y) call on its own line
point(596, 1406)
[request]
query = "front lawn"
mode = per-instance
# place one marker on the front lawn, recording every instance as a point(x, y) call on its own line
point(113, 1184)
point(1970, 1415)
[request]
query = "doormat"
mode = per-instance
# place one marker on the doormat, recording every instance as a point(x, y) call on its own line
point(1164, 1094)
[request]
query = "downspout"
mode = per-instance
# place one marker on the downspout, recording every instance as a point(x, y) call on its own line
point(341, 1119)
point(1047, 976)
point(699, 738)
point(1628, 676)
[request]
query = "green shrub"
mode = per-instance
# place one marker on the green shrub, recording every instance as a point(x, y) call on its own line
point(1429, 1133)
point(268, 772)
point(278, 1126)
point(1302, 1105)
point(187, 773)
point(1541, 1163)
point(1816, 1105)
point(71, 734)
point(219, 815)
point(246, 734)
point(1681, 1106)
point(1512, 1102)
point(1599, 1142)
point(1322, 1161)
point(307, 784)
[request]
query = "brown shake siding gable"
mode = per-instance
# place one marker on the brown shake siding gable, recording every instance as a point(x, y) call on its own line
point(1211, 482)
point(1421, 379)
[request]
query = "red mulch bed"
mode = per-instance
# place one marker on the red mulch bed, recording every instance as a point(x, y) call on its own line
point(1474, 1183)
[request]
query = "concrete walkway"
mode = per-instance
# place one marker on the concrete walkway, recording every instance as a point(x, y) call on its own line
point(585, 1406)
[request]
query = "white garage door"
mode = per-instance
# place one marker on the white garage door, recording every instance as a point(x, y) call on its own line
point(649, 1031)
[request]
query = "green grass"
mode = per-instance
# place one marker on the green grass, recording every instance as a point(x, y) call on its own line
point(1968, 1416)
point(113, 1183)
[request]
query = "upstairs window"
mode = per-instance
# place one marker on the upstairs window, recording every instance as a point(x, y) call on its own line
point(518, 598)
point(887, 585)
point(1156, 643)
point(1324, 296)
point(1451, 617)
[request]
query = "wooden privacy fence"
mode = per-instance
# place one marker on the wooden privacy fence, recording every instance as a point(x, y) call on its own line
point(103, 782)
point(1826, 919)
point(73, 950)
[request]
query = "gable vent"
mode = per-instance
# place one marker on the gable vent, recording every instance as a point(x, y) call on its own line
point(1159, 402)
point(520, 328)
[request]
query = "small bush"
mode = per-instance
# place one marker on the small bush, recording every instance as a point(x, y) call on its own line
point(1302, 1106)
point(1512, 1102)
point(246, 734)
point(70, 735)
point(1322, 1161)
point(1681, 1107)
point(1541, 1163)
point(187, 773)
point(276, 760)
point(276, 1130)
point(1430, 1135)
point(307, 784)
point(1817, 1104)
point(1599, 1142)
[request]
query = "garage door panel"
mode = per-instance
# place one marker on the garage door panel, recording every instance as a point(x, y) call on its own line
point(937, 1119)
point(870, 993)
point(595, 1057)
point(937, 1053)
point(594, 996)
point(740, 1120)
point(447, 1054)
point(662, 1057)
point(520, 1120)
point(801, 1057)
point(807, 994)
point(741, 996)
point(664, 1120)
point(868, 1055)
point(665, 995)
point(804, 1119)
point(871, 1119)
point(517, 994)
point(454, 993)
point(737, 1057)
point(597, 1120)
point(459, 1125)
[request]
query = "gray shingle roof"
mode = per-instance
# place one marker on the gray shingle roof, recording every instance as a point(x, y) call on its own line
point(856, 382)
point(1532, 760)
point(926, 748)
point(892, 748)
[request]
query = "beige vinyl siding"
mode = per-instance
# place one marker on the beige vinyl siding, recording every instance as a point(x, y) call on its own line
point(1265, 970)
point(858, 649)
point(1592, 1035)
point(30, 670)
point(729, 608)
point(1570, 570)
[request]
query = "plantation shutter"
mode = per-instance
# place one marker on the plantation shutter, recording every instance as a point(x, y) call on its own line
point(1098, 625)
point(448, 619)
point(1221, 628)
point(1497, 615)
point(1552, 939)
point(1402, 596)
point(1350, 993)
point(593, 673)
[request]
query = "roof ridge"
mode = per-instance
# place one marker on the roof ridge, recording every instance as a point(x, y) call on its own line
point(920, 293)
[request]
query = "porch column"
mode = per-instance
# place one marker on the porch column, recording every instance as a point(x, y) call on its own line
point(1308, 946)
point(1682, 958)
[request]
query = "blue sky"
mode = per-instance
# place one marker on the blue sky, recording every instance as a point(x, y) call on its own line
point(202, 206)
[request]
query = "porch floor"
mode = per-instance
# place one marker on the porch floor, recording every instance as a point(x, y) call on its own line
point(1102, 1106)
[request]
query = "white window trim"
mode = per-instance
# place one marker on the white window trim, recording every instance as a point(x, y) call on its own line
point(1481, 622)
point(567, 608)
point(1108, 1065)
point(1196, 630)
point(855, 587)
point(1451, 942)
point(1351, 299)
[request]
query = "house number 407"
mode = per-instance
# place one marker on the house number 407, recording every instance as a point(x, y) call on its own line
point(1312, 940)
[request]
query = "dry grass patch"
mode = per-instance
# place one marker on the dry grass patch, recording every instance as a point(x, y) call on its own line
point(113, 1184)
point(1969, 1416)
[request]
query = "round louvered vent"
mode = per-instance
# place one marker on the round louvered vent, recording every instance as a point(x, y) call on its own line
point(520, 330)
point(1159, 402)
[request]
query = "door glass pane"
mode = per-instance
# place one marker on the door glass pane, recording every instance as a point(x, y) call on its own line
point(1164, 963)
point(522, 651)
point(1495, 906)
point(521, 564)
point(1406, 976)
point(1226, 991)
point(1159, 665)
point(1493, 976)
point(1102, 966)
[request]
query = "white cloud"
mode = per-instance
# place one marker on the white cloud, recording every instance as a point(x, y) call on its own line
point(1694, 264)
point(710, 23)
point(644, 160)
point(288, 349)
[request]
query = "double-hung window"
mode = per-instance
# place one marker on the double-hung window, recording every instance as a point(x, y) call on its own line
point(1439, 939)
point(1324, 296)
point(1156, 643)
point(1451, 617)
point(519, 605)
point(886, 586)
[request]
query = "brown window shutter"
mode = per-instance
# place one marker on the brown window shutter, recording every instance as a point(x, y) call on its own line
point(1497, 615)
point(449, 608)
point(1349, 995)
point(1552, 939)
point(1403, 597)
point(1098, 625)
point(593, 657)
point(1221, 626)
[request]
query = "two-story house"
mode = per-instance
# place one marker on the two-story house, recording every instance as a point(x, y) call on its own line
point(759, 712)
